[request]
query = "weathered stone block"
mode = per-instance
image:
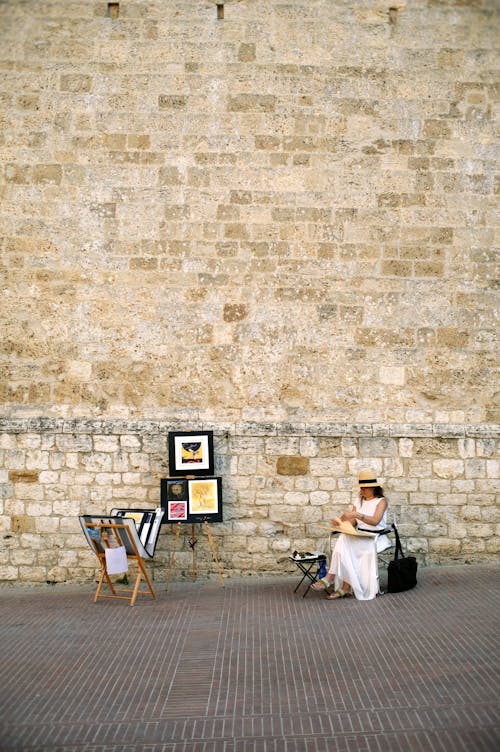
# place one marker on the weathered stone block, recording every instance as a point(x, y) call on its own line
point(395, 268)
point(335, 466)
point(73, 443)
point(266, 142)
point(473, 547)
point(22, 556)
point(305, 483)
point(423, 498)
point(246, 52)
point(476, 530)
point(319, 498)
point(444, 546)
point(32, 574)
point(235, 312)
point(170, 175)
point(493, 469)
point(448, 468)
point(47, 173)
point(381, 447)
point(22, 524)
point(282, 545)
point(245, 528)
point(252, 103)
point(296, 498)
point(292, 465)
point(247, 465)
point(24, 476)
point(76, 82)
point(436, 129)
point(9, 573)
point(261, 545)
point(284, 445)
point(172, 101)
point(475, 468)
point(103, 209)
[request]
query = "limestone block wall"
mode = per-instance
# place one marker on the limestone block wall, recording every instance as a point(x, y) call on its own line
point(274, 219)
point(285, 211)
point(281, 487)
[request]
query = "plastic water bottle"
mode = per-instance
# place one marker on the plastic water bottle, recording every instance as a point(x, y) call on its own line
point(322, 569)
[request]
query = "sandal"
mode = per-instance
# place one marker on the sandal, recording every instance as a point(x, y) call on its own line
point(322, 584)
point(339, 593)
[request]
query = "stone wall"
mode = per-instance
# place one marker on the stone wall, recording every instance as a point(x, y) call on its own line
point(235, 216)
point(281, 486)
point(275, 219)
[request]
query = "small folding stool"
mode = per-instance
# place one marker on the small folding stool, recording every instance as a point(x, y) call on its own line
point(307, 562)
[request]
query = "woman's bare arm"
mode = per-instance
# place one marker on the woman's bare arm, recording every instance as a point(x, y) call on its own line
point(353, 516)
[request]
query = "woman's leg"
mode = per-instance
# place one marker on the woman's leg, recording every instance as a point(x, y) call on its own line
point(325, 583)
point(355, 563)
point(328, 581)
point(340, 593)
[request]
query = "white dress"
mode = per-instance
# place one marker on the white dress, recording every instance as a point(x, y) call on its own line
point(354, 560)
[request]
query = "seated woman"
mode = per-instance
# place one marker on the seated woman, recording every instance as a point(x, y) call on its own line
point(354, 566)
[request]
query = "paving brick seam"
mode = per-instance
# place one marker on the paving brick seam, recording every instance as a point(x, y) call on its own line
point(424, 741)
point(231, 717)
point(159, 731)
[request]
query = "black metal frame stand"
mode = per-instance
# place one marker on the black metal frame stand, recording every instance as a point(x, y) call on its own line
point(305, 565)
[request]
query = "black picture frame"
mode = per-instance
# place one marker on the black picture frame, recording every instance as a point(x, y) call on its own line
point(191, 453)
point(203, 502)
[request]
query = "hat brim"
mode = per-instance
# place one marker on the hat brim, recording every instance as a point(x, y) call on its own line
point(367, 480)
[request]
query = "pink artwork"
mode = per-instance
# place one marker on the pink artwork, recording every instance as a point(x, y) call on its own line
point(177, 510)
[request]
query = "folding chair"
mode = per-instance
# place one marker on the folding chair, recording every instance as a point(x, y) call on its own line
point(106, 534)
point(306, 562)
point(385, 556)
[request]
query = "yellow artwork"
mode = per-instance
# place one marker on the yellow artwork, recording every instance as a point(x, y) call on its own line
point(203, 496)
point(136, 516)
point(191, 452)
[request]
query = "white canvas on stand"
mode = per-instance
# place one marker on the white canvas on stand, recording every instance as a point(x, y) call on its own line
point(116, 560)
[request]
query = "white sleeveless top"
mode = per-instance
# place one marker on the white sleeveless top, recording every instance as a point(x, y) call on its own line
point(368, 508)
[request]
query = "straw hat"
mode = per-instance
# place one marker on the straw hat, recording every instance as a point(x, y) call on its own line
point(367, 479)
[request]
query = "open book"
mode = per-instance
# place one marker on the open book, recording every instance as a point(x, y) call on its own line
point(346, 527)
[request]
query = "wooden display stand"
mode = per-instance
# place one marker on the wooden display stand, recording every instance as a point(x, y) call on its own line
point(115, 531)
point(192, 544)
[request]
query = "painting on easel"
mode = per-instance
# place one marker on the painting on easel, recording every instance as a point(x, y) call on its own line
point(204, 497)
point(192, 499)
point(191, 453)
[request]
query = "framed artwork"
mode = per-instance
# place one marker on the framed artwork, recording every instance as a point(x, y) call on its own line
point(177, 489)
point(177, 511)
point(191, 452)
point(202, 502)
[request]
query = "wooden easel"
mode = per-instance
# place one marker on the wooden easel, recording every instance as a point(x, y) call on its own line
point(121, 533)
point(192, 543)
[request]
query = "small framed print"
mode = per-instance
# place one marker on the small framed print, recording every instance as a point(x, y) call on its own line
point(177, 489)
point(202, 502)
point(191, 452)
point(177, 511)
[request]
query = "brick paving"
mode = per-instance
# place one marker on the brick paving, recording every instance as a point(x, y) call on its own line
point(253, 667)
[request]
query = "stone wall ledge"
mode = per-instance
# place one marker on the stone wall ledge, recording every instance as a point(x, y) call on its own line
point(252, 428)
